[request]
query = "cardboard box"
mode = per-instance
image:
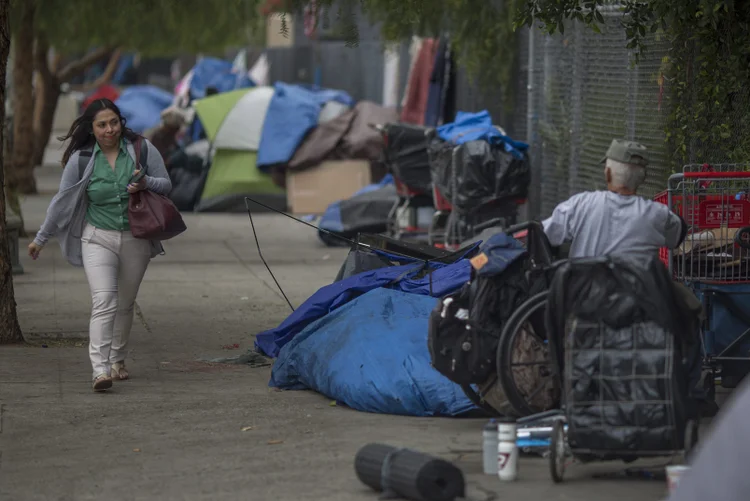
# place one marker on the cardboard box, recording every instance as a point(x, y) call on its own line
point(311, 191)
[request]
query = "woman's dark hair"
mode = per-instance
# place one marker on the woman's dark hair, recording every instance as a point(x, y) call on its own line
point(81, 132)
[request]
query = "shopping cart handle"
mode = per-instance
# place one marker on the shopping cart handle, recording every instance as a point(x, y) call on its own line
point(742, 237)
point(715, 175)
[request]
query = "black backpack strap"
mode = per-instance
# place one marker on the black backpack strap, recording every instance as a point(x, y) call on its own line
point(144, 154)
point(84, 156)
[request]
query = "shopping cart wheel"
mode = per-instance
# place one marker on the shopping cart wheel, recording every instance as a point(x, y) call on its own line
point(691, 438)
point(557, 452)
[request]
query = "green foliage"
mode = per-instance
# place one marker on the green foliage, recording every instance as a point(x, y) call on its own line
point(707, 68)
point(153, 27)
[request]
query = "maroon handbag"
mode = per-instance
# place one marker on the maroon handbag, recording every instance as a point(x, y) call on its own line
point(152, 216)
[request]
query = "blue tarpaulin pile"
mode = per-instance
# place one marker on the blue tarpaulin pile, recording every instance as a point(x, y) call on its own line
point(443, 280)
point(478, 126)
point(293, 111)
point(371, 355)
point(363, 341)
point(141, 105)
point(219, 74)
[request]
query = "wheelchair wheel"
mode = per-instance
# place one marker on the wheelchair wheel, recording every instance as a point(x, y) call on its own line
point(524, 363)
point(558, 452)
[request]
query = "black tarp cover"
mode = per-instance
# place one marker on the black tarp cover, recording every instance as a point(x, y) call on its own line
point(617, 331)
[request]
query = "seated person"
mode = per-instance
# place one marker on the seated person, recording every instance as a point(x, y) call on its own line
point(619, 222)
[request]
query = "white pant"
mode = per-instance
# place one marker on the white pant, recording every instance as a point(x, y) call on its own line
point(115, 262)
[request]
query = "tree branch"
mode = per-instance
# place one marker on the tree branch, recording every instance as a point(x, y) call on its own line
point(77, 67)
point(108, 73)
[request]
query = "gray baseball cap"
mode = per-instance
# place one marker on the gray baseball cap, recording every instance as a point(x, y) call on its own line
point(627, 152)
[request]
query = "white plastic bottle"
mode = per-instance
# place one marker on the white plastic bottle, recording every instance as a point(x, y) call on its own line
point(507, 450)
point(489, 448)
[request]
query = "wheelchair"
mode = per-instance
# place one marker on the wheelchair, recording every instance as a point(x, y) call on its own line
point(523, 383)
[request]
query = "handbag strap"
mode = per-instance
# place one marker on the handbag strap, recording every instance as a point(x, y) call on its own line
point(141, 151)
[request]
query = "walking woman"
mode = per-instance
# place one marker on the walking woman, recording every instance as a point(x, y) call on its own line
point(89, 217)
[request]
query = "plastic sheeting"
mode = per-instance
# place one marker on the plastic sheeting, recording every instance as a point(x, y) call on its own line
point(217, 73)
point(141, 105)
point(477, 173)
point(478, 127)
point(407, 155)
point(365, 212)
point(371, 355)
point(617, 332)
point(410, 278)
point(293, 111)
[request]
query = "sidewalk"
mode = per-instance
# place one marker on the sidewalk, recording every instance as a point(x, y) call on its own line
point(174, 432)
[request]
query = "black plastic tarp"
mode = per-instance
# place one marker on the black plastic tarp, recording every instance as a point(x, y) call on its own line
point(617, 331)
point(364, 213)
point(406, 153)
point(478, 173)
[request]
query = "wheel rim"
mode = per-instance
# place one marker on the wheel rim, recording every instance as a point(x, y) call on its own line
point(529, 381)
point(560, 451)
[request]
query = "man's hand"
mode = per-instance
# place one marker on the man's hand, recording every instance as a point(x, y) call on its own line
point(34, 250)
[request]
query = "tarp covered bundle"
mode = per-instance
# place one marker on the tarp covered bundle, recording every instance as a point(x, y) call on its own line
point(292, 112)
point(347, 136)
point(618, 335)
point(141, 106)
point(406, 153)
point(487, 165)
point(365, 212)
point(411, 278)
point(371, 355)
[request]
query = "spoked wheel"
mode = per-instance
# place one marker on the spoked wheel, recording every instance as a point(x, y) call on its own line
point(524, 362)
point(558, 452)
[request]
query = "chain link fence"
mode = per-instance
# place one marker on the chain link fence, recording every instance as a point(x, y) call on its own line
point(582, 91)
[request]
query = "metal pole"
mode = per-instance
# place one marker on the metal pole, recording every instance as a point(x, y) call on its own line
point(535, 199)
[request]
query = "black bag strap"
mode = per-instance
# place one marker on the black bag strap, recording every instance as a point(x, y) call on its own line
point(84, 157)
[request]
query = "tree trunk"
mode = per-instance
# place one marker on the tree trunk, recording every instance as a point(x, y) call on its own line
point(47, 95)
point(21, 169)
point(10, 331)
point(48, 89)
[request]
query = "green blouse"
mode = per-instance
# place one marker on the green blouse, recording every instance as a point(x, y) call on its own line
point(107, 190)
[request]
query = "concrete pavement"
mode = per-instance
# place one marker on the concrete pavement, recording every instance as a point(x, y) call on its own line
point(175, 430)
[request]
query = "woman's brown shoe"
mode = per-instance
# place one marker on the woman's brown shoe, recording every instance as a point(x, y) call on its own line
point(102, 382)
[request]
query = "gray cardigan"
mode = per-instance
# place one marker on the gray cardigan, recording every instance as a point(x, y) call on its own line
point(66, 215)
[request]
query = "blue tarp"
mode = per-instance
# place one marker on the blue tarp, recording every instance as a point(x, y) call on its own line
point(445, 280)
point(501, 250)
point(142, 105)
point(478, 126)
point(293, 111)
point(217, 73)
point(372, 356)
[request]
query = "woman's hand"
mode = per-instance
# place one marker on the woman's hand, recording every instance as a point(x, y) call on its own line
point(34, 250)
point(137, 186)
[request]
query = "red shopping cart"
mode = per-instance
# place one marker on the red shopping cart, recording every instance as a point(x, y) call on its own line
point(714, 261)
